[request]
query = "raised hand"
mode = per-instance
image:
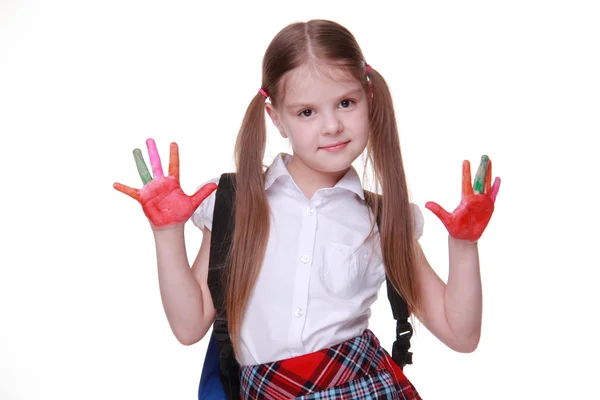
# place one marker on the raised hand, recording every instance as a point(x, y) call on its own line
point(471, 217)
point(161, 197)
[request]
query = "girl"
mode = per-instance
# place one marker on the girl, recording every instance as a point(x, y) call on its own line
point(307, 258)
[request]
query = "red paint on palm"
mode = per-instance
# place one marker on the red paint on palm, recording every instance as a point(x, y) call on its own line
point(165, 203)
point(469, 220)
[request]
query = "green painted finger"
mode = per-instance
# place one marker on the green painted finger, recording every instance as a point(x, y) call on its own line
point(141, 166)
point(479, 183)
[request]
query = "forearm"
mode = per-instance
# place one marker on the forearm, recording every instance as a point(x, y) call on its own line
point(463, 294)
point(180, 292)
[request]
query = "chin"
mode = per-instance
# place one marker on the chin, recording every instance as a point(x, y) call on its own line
point(335, 163)
point(332, 169)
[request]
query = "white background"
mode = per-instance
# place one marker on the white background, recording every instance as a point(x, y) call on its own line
point(83, 83)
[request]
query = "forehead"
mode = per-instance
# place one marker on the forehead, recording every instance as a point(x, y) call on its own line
point(316, 82)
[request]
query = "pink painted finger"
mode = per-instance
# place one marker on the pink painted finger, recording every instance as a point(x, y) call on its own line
point(495, 189)
point(157, 170)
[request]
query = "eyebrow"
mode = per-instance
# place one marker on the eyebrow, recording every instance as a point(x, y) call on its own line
point(347, 94)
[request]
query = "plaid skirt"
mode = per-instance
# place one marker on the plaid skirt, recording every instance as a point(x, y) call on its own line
point(356, 369)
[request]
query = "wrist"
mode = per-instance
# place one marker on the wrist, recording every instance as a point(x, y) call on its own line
point(167, 230)
point(462, 242)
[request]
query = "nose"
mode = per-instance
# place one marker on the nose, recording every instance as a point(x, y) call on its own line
point(332, 125)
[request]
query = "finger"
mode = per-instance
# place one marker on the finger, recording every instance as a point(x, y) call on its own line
point(478, 185)
point(488, 179)
point(141, 166)
point(467, 189)
point(174, 162)
point(157, 170)
point(203, 193)
point(495, 189)
point(439, 211)
point(129, 191)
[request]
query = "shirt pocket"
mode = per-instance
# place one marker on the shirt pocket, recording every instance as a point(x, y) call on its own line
point(343, 269)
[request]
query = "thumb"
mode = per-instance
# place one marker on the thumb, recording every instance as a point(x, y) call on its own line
point(129, 191)
point(439, 211)
point(202, 193)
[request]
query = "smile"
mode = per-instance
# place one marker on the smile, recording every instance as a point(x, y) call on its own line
point(336, 146)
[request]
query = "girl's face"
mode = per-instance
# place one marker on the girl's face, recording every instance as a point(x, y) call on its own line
point(325, 115)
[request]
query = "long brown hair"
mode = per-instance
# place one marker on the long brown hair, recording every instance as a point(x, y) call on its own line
point(317, 41)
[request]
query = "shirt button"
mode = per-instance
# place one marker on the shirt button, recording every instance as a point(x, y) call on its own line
point(310, 211)
point(299, 312)
point(304, 259)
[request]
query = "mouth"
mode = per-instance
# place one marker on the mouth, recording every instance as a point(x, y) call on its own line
point(336, 146)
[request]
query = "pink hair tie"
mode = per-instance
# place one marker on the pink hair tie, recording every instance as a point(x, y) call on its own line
point(264, 93)
point(367, 69)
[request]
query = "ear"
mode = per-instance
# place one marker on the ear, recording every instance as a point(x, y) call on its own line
point(274, 115)
point(370, 94)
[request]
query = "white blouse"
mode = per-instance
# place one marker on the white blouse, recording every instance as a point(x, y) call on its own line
point(318, 279)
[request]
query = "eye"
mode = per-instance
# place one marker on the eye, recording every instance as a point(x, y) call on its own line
point(306, 113)
point(346, 103)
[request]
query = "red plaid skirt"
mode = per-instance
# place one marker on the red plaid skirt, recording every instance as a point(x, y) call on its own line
point(356, 369)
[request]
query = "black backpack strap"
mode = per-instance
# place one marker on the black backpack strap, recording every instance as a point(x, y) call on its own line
point(221, 237)
point(404, 330)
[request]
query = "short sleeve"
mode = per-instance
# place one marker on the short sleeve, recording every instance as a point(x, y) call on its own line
point(203, 216)
point(418, 220)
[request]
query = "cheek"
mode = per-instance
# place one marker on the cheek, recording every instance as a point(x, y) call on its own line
point(360, 125)
point(301, 135)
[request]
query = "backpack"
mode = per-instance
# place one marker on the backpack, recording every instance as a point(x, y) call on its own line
point(221, 237)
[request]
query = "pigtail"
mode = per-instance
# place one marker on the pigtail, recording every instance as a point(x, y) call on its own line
point(396, 232)
point(251, 216)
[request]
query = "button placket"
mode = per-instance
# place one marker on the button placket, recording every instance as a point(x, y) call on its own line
point(306, 240)
point(310, 211)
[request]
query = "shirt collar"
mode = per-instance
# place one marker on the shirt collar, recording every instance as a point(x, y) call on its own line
point(278, 169)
